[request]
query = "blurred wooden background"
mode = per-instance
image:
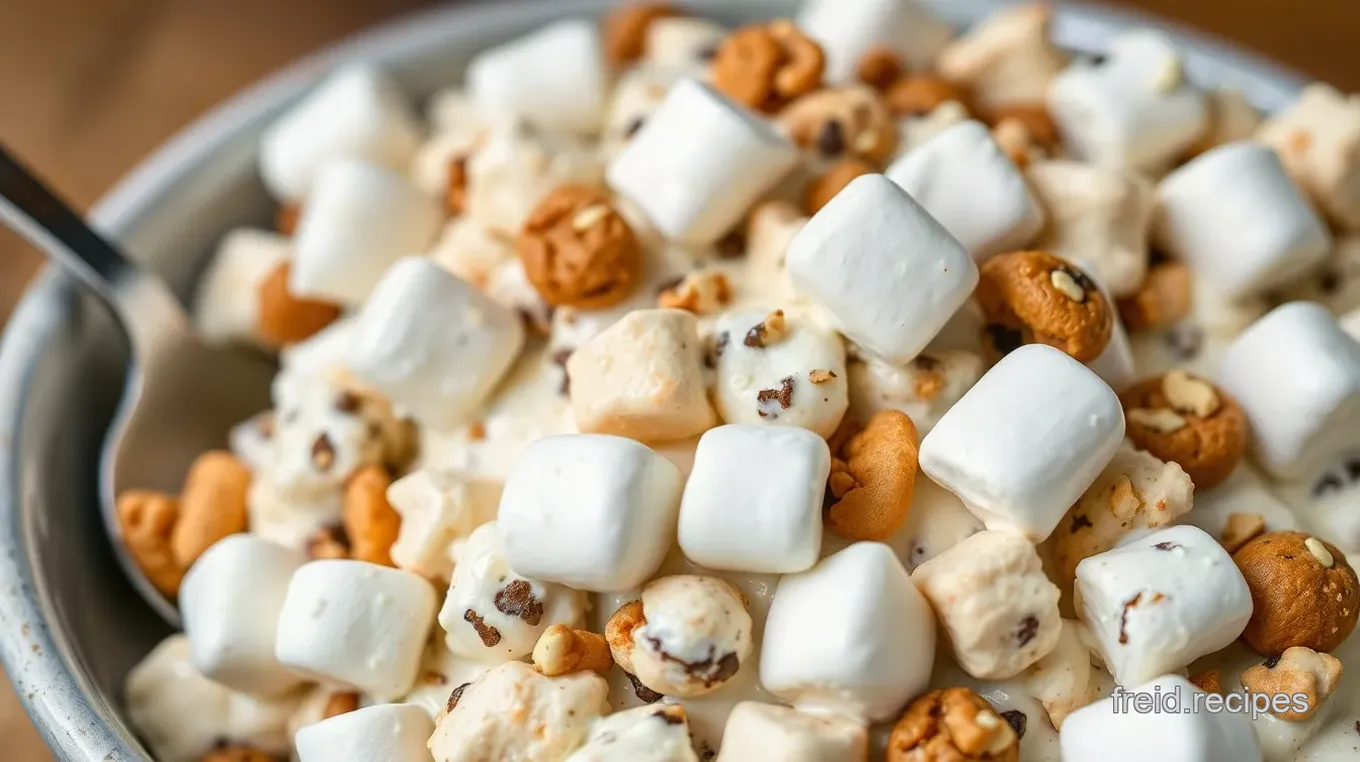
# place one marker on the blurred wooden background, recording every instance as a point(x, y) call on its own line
point(88, 87)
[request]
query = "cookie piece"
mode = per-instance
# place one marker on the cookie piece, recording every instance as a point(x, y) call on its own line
point(764, 66)
point(952, 724)
point(847, 122)
point(1303, 593)
point(578, 251)
point(1186, 420)
point(1033, 297)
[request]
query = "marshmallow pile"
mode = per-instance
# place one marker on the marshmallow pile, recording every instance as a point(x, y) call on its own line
point(824, 389)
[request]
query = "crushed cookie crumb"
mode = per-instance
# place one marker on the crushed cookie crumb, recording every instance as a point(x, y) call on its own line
point(517, 599)
point(783, 395)
point(769, 331)
point(821, 376)
point(645, 695)
point(476, 431)
point(1018, 721)
point(1167, 546)
point(490, 635)
point(455, 696)
point(1029, 627)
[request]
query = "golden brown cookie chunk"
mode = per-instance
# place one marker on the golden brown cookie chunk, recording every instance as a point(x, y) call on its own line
point(1303, 593)
point(1163, 300)
point(1209, 681)
point(236, 753)
point(578, 251)
point(146, 520)
point(212, 505)
point(764, 66)
point(1296, 672)
point(618, 632)
point(1181, 418)
point(1045, 300)
point(952, 725)
point(287, 319)
point(702, 292)
point(820, 191)
point(921, 94)
point(842, 122)
point(286, 218)
point(1037, 122)
point(371, 523)
point(879, 68)
point(625, 29)
point(560, 650)
point(873, 477)
point(340, 702)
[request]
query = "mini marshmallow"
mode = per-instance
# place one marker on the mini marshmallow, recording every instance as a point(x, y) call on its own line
point(1157, 603)
point(591, 511)
point(515, 713)
point(1112, 730)
point(937, 522)
point(642, 378)
point(851, 636)
point(847, 29)
point(656, 733)
point(1235, 217)
point(1097, 215)
point(1316, 138)
point(227, 308)
point(768, 731)
point(1131, 110)
point(435, 508)
point(493, 614)
point(888, 298)
point(359, 219)
point(555, 78)
point(357, 623)
point(967, 183)
point(433, 343)
point(998, 611)
point(1026, 441)
point(779, 368)
point(355, 113)
point(682, 42)
point(699, 163)
point(694, 638)
point(924, 388)
point(1007, 59)
point(229, 603)
point(515, 167)
point(1296, 375)
point(777, 475)
point(382, 733)
point(182, 715)
point(1061, 680)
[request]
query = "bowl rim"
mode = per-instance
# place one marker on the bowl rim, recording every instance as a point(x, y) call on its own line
point(51, 685)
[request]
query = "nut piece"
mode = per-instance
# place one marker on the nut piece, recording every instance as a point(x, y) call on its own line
point(340, 702)
point(286, 319)
point(873, 477)
point(702, 292)
point(560, 650)
point(764, 66)
point(922, 94)
point(846, 122)
point(212, 505)
point(625, 30)
point(618, 632)
point(1296, 599)
point(1185, 419)
point(1296, 671)
point(1209, 681)
point(370, 521)
point(952, 725)
point(236, 753)
point(146, 519)
point(1018, 293)
point(578, 251)
point(821, 190)
point(1163, 300)
point(879, 68)
point(1241, 528)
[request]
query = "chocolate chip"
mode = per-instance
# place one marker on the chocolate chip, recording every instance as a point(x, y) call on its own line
point(1124, 618)
point(1080, 522)
point(645, 695)
point(1272, 661)
point(1004, 340)
point(633, 127)
point(783, 395)
point(731, 246)
point(348, 402)
point(755, 338)
point(1157, 257)
point(517, 599)
point(490, 635)
point(1353, 470)
point(1184, 342)
point(706, 753)
point(1329, 282)
point(455, 696)
point(831, 139)
point(720, 345)
point(707, 52)
point(926, 363)
point(710, 670)
point(560, 358)
point(323, 452)
point(1029, 627)
point(1327, 483)
point(1018, 721)
point(1357, 726)
point(1167, 546)
point(1097, 59)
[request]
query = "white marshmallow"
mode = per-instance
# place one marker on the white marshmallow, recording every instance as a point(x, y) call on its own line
point(382, 733)
point(699, 163)
point(847, 29)
point(1009, 58)
point(642, 378)
point(1026, 441)
point(1098, 215)
point(515, 168)
point(1236, 217)
point(696, 636)
point(1157, 603)
point(967, 183)
point(433, 343)
point(592, 511)
point(768, 731)
point(924, 388)
point(1107, 732)
point(937, 522)
point(852, 636)
point(493, 614)
point(555, 78)
point(1316, 139)
point(359, 220)
point(913, 131)
point(435, 508)
point(754, 373)
point(355, 113)
point(778, 478)
point(657, 733)
point(887, 298)
point(637, 95)
point(229, 603)
point(1132, 111)
point(227, 307)
point(357, 623)
point(682, 42)
point(1296, 375)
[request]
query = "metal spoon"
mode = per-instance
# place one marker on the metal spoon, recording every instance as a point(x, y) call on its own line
point(181, 396)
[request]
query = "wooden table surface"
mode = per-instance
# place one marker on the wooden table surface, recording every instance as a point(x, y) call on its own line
point(88, 87)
